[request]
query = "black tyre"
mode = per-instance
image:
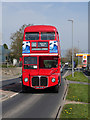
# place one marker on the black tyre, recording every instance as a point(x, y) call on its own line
point(24, 88)
point(30, 89)
point(59, 83)
point(56, 88)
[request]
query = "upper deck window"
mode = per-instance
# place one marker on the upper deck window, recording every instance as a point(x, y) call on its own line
point(32, 36)
point(47, 35)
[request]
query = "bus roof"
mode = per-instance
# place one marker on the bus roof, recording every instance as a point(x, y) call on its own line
point(40, 28)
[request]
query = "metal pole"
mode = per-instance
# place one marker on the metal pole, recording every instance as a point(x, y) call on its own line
point(72, 51)
point(78, 56)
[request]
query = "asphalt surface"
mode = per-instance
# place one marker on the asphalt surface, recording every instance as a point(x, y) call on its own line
point(87, 73)
point(39, 104)
point(8, 82)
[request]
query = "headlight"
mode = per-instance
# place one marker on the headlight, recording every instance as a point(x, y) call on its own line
point(26, 79)
point(53, 79)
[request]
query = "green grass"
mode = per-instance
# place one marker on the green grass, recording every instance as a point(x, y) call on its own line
point(9, 66)
point(78, 76)
point(78, 92)
point(75, 111)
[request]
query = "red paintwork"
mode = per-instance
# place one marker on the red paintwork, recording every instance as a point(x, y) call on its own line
point(50, 73)
point(40, 28)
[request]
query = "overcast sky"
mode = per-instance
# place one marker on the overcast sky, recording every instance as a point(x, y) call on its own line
point(15, 14)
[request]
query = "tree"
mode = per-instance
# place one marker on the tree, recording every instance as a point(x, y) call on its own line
point(5, 46)
point(69, 55)
point(63, 60)
point(16, 44)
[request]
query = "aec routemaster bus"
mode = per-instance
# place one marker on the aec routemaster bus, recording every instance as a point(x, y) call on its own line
point(41, 59)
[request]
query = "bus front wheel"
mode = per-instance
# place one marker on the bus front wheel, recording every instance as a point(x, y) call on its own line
point(56, 88)
point(24, 88)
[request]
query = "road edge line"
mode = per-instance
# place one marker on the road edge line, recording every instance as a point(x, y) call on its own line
point(13, 95)
point(63, 103)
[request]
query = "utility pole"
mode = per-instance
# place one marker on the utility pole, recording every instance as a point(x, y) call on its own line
point(72, 51)
point(78, 56)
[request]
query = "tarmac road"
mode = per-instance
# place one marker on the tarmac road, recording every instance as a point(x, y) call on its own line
point(10, 81)
point(39, 104)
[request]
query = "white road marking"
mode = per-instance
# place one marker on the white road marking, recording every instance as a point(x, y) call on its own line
point(14, 95)
point(61, 103)
point(65, 74)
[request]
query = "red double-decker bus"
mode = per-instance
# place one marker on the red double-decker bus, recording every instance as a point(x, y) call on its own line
point(41, 59)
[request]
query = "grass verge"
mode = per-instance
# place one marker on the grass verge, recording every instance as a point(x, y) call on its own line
point(78, 76)
point(9, 66)
point(75, 111)
point(78, 92)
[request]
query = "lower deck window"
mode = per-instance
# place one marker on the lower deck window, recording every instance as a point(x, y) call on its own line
point(30, 62)
point(48, 62)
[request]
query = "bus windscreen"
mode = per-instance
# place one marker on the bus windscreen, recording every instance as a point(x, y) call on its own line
point(48, 62)
point(30, 60)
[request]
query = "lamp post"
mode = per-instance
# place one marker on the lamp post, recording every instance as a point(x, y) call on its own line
point(72, 51)
point(78, 56)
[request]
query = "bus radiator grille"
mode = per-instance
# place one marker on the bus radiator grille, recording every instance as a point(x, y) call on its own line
point(43, 81)
point(39, 81)
point(35, 81)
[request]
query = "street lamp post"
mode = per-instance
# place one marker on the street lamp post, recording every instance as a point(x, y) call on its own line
point(78, 56)
point(72, 51)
